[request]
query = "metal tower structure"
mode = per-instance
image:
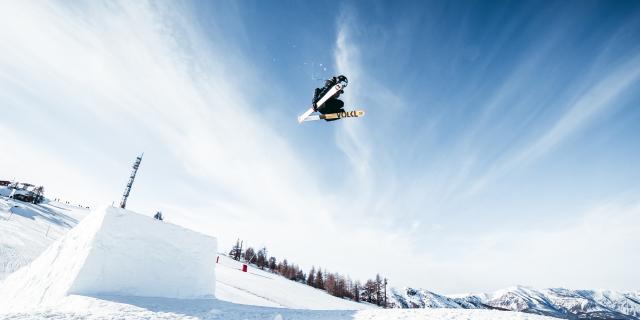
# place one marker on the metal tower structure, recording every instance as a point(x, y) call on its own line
point(127, 190)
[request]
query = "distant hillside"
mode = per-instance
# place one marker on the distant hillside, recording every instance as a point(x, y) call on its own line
point(557, 302)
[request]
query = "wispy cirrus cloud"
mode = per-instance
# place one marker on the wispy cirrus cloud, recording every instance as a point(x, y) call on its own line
point(603, 93)
point(360, 139)
point(445, 184)
point(84, 87)
point(351, 138)
point(95, 84)
point(140, 77)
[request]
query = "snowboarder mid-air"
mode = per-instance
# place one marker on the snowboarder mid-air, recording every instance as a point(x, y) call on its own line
point(333, 104)
point(326, 102)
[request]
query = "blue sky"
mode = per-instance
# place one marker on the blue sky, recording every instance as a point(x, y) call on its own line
point(500, 144)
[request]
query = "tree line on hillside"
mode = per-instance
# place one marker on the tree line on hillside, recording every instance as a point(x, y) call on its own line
point(372, 291)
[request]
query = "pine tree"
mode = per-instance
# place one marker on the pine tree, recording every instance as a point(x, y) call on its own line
point(330, 284)
point(319, 279)
point(356, 291)
point(261, 260)
point(312, 277)
point(283, 267)
point(370, 291)
point(378, 292)
point(249, 255)
point(300, 276)
point(348, 289)
point(236, 251)
point(341, 286)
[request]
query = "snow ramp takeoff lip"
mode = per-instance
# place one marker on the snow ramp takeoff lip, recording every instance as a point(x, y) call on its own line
point(117, 252)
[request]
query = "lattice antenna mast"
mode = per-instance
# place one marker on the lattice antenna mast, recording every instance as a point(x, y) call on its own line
point(127, 190)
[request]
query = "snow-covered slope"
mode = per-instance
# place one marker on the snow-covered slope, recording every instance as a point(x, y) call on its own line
point(556, 302)
point(263, 288)
point(115, 251)
point(133, 308)
point(27, 229)
point(255, 287)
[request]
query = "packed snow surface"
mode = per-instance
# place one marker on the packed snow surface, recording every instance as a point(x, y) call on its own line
point(258, 287)
point(114, 251)
point(26, 230)
point(133, 308)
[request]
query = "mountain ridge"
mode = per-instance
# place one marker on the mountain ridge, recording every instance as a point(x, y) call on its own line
point(556, 302)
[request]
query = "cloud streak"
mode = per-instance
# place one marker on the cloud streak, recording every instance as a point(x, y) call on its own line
point(413, 190)
point(119, 72)
point(109, 80)
point(599, 98)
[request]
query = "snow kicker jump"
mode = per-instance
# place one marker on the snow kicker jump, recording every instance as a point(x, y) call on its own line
point(327, 104)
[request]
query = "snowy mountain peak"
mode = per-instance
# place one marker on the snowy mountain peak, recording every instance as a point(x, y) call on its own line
point(556, 302)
